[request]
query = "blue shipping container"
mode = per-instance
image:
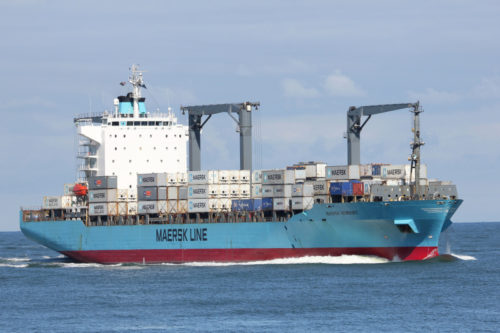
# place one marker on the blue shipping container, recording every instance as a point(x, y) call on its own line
point(347, 188)
point(267, 203)
point(336, 188)
point(257, 204)
point(242, 205)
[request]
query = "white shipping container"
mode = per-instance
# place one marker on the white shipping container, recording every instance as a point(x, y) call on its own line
point(103, 208)
point(393, 171)
point(257, 176)
point(67, 201)
point(52, 202)
point(122, 194)
point(224, 204)
point(223, 176)
point(282, 191)
point(256, 191)
point(394, 182)
point(313, 169)
point(109, 195)
point(203, 177)
point(203, 191)
point(152, 179)
point(320, 187)
point(423, 172)
point(202, 205)
point(172, 206)
point(342, 172)
point(122, 208)
point(224, 190)
point(267, 190)
point(68, 189)
point(172, 178)
point(132, 194)
point(234, 176)
point(281, 203)
point(234, 191)
point(244, 176)
point(302, 203)
point(300, 175)
point(183, 193)
point(132, 208)
point(279, 176)
point(152, 207)
point(302, 190)
point(244, 190)
point(182, 178)
point(365, 170)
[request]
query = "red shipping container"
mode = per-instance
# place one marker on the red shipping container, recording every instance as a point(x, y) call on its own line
point(358, 189)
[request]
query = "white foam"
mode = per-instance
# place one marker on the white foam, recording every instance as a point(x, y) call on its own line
point(14, 265)
point(463, 256)
point(325, 260)
point(15, 259)
point(78, 265)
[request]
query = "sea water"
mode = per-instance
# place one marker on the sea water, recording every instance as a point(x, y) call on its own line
point(42, 291)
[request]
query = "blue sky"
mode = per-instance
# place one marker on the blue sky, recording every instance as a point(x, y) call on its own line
point(306, 62)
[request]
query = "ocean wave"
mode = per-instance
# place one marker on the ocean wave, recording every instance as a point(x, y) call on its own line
point(325, 260)
point(15, 259)
point(14, 265)
point(463, 256)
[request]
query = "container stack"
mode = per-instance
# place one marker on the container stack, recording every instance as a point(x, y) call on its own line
point(103, 196)
point(177, 193)
point(152, 193)
point(213, 191)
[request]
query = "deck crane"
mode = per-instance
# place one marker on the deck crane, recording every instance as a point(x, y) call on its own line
point(354, 128)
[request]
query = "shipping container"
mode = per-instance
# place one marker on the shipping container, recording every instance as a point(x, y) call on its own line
point(358, 189)
point(280, 204)
point(234, 176)
point(182, 206)
point(102, 182)
point(393, 171)
point(320, 187)
point(52, 202)
point(279, 176)
point(109, 195)
point(151, 193)
point(122, 208)
point(172, 179)
point(223, 176)
point(282, 191)
point(122, 194)
point(394, 182)
point(172, 206)
point(244, 190)
point(376, 169)
point(302, 203)
point(225, 204)
point(103, 209)
point(182, 178)
point(244, 176)
point(132, 208)
point(203, 191)
point(365, 170)
point(256, 190)
point(336, 188)
point(68, 189)
point(267, 190)
point(151, 179)
point(224, 190)
point(239, 205)
point(257, 204)
point(302, 190)
point(342, 172)
point(267, 204)
point(423, 172)
point(234, 191)
point(257, 177)
point(321, 199)
point(202, 205)
point(203, 177)
point(152, 207)
point(300, 175)
point(313, 169)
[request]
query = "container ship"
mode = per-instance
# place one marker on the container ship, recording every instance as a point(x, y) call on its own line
point(136, 199)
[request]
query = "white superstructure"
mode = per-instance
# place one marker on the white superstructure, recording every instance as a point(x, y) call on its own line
point(131, 140)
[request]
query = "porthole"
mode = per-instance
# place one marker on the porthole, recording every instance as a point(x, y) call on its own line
point(130, 161)
point(115, 136)
point(116, 148)
point(124, 135)
point(154, 148)
point(166, 135)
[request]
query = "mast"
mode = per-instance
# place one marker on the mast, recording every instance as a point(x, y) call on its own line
point(136, 80)
point(415, 155)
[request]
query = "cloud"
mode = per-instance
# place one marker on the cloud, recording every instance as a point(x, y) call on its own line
point(488, 87)
point(431, 95)
point(338, 84)
point(293, 88)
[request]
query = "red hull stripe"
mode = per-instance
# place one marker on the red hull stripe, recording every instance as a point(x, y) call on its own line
point(242, 255)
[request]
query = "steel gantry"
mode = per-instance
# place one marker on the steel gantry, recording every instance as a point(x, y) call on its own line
point(244, 122)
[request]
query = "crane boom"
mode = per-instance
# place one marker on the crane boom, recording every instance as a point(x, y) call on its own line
point(354, 126)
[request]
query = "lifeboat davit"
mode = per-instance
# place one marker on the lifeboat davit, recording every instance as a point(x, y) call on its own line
point(80, 190)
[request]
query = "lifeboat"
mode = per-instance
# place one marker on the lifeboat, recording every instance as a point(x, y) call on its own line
point(80, 190)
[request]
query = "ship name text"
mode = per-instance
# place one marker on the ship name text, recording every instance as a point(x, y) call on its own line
point(181, 235)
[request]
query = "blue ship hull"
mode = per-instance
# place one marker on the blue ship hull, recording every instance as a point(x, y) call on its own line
point(408, 230)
